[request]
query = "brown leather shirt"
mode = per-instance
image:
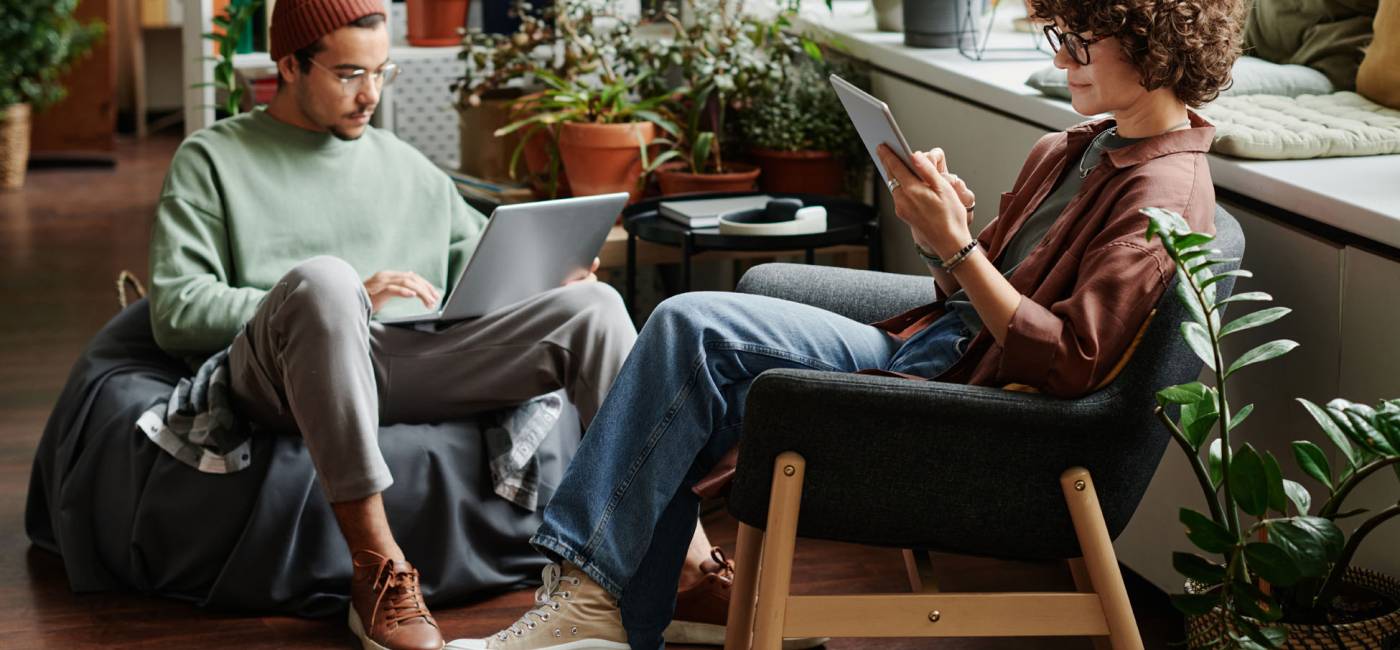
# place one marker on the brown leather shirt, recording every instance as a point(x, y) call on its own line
point(1094, 279)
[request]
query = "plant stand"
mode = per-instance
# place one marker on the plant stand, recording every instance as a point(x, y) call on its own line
point(14, 145)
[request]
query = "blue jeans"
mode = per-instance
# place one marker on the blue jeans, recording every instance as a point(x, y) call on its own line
point(624, 512)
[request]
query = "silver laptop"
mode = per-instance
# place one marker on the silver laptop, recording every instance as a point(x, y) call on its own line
point(526, 249)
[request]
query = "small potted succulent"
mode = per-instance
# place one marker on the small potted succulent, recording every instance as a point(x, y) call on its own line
point(38, 42)
point(1277, 568)
point(800, 135)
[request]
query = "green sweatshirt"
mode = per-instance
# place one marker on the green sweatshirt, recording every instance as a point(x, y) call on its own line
point(251, 197)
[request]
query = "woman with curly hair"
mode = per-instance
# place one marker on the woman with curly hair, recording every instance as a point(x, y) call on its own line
point(1049, 295)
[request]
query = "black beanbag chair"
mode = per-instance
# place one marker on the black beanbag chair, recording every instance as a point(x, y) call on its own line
point(125, 515)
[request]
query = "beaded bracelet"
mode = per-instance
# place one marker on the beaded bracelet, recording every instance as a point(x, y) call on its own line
point(929, 258)
point(962, 255)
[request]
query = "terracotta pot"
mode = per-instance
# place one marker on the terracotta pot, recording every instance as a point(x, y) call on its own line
point(538, 158)
point(801, 172)
point(1382, 631)
point(604, 158)
point(742, 177)
point(483, 154)
point(434, 23)
point(14, 145)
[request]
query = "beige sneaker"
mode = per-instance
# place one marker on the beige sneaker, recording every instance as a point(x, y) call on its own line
point(572, 612)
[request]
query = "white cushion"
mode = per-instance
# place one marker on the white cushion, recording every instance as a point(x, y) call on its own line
point(1250, 76)
point(1270, 127)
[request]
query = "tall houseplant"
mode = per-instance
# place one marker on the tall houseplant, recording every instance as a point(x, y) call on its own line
point(39, 39)
point(1276, 571)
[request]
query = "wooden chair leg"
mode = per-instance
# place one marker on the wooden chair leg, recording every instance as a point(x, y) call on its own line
point(918, 566)
point(779, 541)
point(1082, 583)
point(738, 634)
point(1100, 562)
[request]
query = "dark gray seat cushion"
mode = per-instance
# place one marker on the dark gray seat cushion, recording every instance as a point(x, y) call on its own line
point(126, 516)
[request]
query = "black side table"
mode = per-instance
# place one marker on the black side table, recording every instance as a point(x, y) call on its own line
point(847, 223)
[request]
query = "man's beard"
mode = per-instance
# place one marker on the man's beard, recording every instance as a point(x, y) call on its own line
point(346, 137)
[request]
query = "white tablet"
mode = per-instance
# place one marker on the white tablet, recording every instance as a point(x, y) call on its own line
point(874, 123)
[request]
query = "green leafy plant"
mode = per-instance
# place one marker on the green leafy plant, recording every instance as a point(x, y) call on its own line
point(578, 100)
point(39, 39)
point(233, 22)
point(803, 113)
point(1269, 557)
point(728, 59)
point(697, 148)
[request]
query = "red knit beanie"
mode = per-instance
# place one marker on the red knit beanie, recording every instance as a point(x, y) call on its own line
point(299, 23)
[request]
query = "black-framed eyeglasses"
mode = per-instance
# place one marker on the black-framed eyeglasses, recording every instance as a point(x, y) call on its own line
point(353, 82)
point(1077, 46)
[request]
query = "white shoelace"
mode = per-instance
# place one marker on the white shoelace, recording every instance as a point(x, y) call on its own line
point(545, 603)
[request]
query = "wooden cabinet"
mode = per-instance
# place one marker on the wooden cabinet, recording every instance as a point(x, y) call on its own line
point(84, 125)
point(984, 148)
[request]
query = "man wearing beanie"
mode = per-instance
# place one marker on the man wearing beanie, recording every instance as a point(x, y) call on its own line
point(281, 233)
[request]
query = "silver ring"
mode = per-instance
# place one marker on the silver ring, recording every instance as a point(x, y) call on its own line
point(893, 184)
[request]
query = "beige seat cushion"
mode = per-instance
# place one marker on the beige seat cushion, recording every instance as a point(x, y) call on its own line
point(1379, 76)
point(1267, 127)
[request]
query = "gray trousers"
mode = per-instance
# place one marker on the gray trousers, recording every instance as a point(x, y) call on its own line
point(311, 361)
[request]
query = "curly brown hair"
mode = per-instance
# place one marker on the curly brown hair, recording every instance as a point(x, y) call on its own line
point(1186, 45)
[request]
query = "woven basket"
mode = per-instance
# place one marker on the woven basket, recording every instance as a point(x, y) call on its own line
point(14, 145)
point(1380, 633)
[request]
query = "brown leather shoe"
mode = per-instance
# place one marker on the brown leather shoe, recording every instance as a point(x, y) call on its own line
point(702, 609)
point(384, 593)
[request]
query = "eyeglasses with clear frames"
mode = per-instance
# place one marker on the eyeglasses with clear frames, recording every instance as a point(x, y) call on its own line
point(1077, 46)
point(354, 82)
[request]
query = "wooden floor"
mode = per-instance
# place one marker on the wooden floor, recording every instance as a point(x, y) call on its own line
point(63, 240)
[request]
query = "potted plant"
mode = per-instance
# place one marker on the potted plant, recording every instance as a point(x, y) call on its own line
point(1276, 571)
point(436, 23)
point(38, 41)
point(800, 134)
point(499, 71)
point(603, 131)
point(695, 163)
point(727, 58)
point(583, 42)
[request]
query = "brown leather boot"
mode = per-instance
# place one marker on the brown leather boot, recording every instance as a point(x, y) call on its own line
point(702, 609)
point(386, 608)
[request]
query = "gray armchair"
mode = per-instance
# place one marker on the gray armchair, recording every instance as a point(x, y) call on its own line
point(947, 467)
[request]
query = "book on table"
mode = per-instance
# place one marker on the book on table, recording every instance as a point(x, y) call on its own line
point(492, 191)
point(704, 213)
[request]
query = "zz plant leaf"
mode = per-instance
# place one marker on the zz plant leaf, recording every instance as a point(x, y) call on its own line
point(1301, 556)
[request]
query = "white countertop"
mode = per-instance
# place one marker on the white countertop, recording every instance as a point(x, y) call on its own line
point(1360, 195)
